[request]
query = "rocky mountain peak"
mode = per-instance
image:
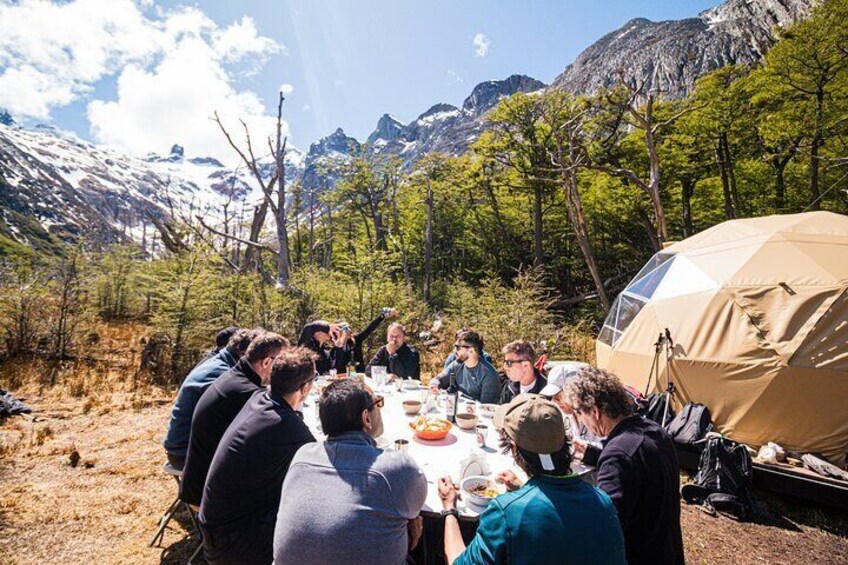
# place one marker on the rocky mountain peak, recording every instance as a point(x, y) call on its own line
point(388, 128)
point(486, 95)
point(177, 151)
point(669, 56)
point(6, 118)
point(338, 141)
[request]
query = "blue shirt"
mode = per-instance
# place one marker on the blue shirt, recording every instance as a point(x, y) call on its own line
point(480, 382)
point(179, 429)
point(555, 520)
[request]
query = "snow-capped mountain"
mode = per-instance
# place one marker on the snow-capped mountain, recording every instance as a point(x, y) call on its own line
point(54, 185)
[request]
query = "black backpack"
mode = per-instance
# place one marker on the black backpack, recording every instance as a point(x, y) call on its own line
point(652, 407)
point(723, 482)
point(691, 425)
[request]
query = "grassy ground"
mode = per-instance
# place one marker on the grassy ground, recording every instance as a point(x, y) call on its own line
point(104, 507)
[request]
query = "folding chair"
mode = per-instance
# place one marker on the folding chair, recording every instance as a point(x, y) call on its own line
point(172, 510)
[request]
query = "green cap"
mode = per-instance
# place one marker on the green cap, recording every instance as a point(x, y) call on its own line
point(534, 423)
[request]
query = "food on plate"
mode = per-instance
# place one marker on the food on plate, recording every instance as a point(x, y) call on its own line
point(486, 491)
point(427, 427)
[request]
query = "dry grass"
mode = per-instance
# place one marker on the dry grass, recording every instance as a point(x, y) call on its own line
point(105, 508)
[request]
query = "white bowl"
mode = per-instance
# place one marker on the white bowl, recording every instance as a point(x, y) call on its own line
point(466, 420)
point(469, 483)
point(411, 384)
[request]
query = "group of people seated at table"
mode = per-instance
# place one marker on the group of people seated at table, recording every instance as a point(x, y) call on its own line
point(265, 491)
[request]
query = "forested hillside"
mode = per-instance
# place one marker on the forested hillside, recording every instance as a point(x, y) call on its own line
point(531, 233)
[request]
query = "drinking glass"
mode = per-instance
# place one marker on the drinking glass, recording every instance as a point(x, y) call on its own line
point(379, 374)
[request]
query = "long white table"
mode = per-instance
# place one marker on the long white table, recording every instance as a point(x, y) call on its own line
point(436, 458)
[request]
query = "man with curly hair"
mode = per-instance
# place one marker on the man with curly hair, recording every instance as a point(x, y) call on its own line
point(637, 466)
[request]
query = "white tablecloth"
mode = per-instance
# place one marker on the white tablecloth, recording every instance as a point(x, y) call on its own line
point(436, 458)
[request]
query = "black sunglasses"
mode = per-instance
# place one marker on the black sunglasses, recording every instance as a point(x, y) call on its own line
point(458, 346)
point(379, 402)
point(509, 362)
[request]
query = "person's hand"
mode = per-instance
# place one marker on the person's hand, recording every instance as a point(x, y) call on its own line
point(578, 447)
point(414, 529)
point(448, 493)
point(335, 331)
point(509, 479)
point(434, 386)
point(392, 347)
point(390, 312)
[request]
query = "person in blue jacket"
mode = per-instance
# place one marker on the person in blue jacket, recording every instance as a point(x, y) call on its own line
point(556, 518)
point(179, 428)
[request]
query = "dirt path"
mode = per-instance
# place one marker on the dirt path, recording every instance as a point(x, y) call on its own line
point(106, 508)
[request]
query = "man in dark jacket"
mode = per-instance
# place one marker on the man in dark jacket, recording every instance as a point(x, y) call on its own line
point(219, 406)
point(336, 345)
point(179, 428)
point(637, 466)
point(397, 356)
point(242, 492)
point(519, 361)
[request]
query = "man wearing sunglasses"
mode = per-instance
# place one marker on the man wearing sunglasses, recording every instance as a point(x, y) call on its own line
point(475, 377)
point(519, 360)
point(346, 500)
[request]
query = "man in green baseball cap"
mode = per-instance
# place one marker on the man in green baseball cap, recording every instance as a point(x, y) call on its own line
point(554, 518)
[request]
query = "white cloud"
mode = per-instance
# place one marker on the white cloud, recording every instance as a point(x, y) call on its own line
point(482, 44)
point(286, 88)
point(173, 71)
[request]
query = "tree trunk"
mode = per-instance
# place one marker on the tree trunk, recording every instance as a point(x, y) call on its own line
point(251, 254)
point(779, 166)
point(538, 252)
point(578, 223)
point(428, 243)
point(687, 186)
point(731, 173)
point(729, 212)
point(818, 140)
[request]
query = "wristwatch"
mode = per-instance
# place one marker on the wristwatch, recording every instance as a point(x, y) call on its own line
point(450, 512)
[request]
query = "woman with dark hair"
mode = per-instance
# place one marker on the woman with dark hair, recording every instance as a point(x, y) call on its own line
point(555, 518)
point(336, 345)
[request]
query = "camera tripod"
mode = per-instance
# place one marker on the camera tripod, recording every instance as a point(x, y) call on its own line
point(664, 347)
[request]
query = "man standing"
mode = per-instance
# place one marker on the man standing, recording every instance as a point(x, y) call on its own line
point(555, 518)
point(637, 466)
point(219, 406)
point(519, 361)
point(475, 377)
point(179, 428)
point(346, 500)
point(242, 492)
point(401, 360)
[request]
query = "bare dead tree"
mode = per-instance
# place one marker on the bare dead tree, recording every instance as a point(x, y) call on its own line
point(275, 187)
point(566, 118)
point(639, 109)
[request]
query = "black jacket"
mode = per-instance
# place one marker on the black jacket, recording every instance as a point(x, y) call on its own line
point(242, 492)
point(217, 408)
point(405, 363)
point(511, 389)
point(638, 469)
point(337, 357)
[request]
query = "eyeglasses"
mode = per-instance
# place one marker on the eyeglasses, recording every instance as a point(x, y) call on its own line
point(379, 402)
point(510, 362)
point(458, 346)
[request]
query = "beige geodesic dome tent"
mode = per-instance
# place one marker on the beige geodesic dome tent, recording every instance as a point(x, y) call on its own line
point(758, 312)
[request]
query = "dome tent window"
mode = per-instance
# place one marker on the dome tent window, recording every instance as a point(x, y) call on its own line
point(634, 297)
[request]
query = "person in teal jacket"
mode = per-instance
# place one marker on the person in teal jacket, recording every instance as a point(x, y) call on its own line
point(555, 518)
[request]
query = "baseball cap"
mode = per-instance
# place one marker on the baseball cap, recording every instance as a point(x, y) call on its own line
point(534, 423)
point(557, 376)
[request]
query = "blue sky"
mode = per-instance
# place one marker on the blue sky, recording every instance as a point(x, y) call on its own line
point(347, 62)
